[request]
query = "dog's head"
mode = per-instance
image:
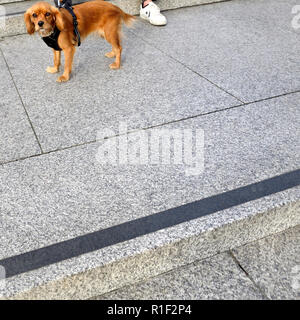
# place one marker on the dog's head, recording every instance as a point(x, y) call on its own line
point(42, 18)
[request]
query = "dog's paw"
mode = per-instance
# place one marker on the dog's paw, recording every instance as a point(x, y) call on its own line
point(110, 54)
point(62, 79)
point(114, 66)
point(52, 69)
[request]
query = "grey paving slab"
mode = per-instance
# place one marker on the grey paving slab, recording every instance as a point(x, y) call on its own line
point(274, 263)
point(65, 188)
point(247, 47)
point(212, 279)
point(150, 89)
point(133, 6)
point(13, 25)
point(17, 6)
point(66, 194)
point(14, 15)
point(130, 6)
point(113, 267)
point(20, 6)
point(9, 1)
point(17, 139)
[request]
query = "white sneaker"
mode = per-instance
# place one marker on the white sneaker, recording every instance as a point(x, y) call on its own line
point(152, 13)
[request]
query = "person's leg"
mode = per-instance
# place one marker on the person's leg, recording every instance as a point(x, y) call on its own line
point(151, 12)
point(145, 3)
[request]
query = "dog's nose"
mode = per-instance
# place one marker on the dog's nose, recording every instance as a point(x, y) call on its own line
point(41, 23)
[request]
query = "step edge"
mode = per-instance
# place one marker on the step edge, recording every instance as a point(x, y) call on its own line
point(17, 17)
point(121, 272)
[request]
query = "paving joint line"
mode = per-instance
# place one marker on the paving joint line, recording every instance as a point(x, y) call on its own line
point(243, 103)
point(48, 152)
point(148, 128)
point(273, 97)
point(145, 279)
point(171, 9)
point(247, 274)
point(17, 90)
point(118, 135)
point(185, 266)
point(270, 235)
point(187, 67)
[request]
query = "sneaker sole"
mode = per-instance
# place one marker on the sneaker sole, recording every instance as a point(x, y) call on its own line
point(155, 24)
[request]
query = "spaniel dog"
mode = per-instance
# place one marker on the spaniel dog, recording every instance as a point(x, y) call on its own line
point(55, 26)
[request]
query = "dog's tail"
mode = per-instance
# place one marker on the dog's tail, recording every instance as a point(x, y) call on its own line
point(128, 19)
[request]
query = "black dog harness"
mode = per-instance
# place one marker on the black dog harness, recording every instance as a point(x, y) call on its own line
point(52, 40)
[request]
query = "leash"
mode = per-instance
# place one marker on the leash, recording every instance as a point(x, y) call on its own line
point(67, 4)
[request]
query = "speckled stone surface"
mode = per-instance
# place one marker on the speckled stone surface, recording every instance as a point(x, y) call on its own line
point(274, 264)
point(65, 188)
point(61, 195)
point(9, 1)
point(100, 272)
point(15, 23)
point(17, 139)
point(217, 277)
point(247, 47)
point(97, 97)
point(66, 194)
point(133, 6)
point(14, 11)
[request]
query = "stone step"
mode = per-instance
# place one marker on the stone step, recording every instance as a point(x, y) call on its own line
point(106, 232)
point(14, 10)
point(73, 227)
point(262, 270)
point(9, 1)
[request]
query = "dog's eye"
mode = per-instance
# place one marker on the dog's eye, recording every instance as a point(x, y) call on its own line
point(34, 15)
point(47, 14)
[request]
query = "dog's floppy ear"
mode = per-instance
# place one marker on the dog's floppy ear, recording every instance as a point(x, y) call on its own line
point(58, 18)
point(29, 24)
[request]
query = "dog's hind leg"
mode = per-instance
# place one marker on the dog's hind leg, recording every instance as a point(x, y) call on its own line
point(55, 69)
point(112, 35)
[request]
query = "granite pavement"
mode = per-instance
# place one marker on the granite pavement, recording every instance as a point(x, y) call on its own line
point(226, 70)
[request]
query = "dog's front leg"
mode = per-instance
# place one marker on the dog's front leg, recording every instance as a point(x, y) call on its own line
point(55, 69)
point(69, 55)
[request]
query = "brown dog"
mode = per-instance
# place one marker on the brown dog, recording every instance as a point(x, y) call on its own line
point(95, 16)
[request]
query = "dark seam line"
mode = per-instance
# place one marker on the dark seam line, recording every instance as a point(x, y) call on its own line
point(61, 251)
point(197, 5)
point(150, 127)
point(241, 268)
point(187, 67)
point(22, 102)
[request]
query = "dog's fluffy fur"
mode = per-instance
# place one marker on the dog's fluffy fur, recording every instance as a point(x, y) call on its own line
point(95, 16)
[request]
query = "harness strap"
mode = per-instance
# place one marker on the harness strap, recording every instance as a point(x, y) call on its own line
point(52, 40)
point(75, 24)
point(67, 4)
